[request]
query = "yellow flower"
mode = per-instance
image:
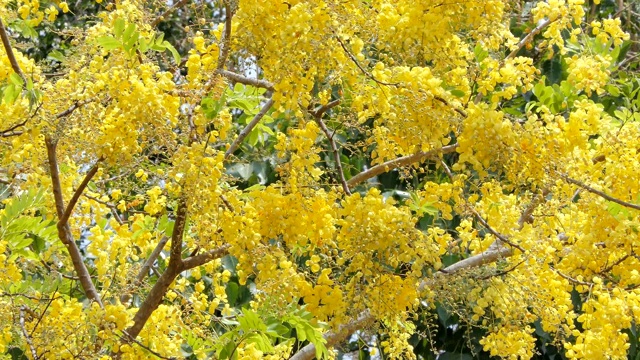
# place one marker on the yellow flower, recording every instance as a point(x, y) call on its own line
point(64, 7)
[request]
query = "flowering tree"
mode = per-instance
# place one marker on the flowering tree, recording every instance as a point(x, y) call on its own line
point(265, 178)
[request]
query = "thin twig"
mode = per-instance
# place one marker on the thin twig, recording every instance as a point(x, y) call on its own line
point(61, 274)
point(144, 271)
point(34, 353)
point(334, 148)
point(44, 312)
point(486, 225)
point(364, 71)
point(600, 193)
point(167, 12)
point(12, 58)
point(396, 163)
point(575, 281)
point(156, 354)
point(113, 208)
point(245, 132)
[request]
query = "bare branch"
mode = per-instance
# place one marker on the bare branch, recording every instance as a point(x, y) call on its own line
point(114, 210)
point(73, 108)
point(168, 12)
point(64, 230)
point(245, 132)
point(124, 298)
point(527, 39)
point(575, 281)
point(600, 193)
point(364, 71)
point(12, 58)
point(501, 237)
point(245, 80)
point(226, 35)
point(76, 195)
point(334, 148)
point(34, 354)
point(10, 131)
point(197, 260)
point(396, 163)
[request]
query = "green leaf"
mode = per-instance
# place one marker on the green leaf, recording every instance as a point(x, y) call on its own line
point(109, 42)
point(480, 53)
point(232, 293)
point(11, 93)
point(56, 55)
point(118, 28)
point(457, 93)
point(128, 32)
point(174, 52)
point(16, 79)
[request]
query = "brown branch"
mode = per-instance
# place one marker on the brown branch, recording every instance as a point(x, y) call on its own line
point(168, 12)
point(600, 193)
point(44, 263)
point(575, 281)
point(491, 230)
point(245, 80)
point(174, 268)
point(76, 195)
point(27, 338)
point(226, 35)
point(364, 71)
point(334, 148)
point(197, 260)
point(144, 271)
point(113, 208)
point(245, 132)
point(445, 102)
point(64, 230)
point(154, 353)
point(528, 38)
point(10, 131)
point(12, 58)
point(73, 108)
point(396, 163)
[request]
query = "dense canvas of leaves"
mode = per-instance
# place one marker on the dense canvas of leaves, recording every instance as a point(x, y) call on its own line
point(242, 179)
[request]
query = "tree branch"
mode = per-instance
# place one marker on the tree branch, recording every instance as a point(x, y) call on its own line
point(364, 71)
point(197, 260)
point(334, 148)
point(527, 39)
point(226, 35)
point(27, 338)
point(167, 12)
point(495, 252)
point(144, 271)
point(396, 163)
point(12, 58)
point(64, 230)
point(599, 193)
point(245, 80)
point(76, 195)
point(309, 351)
point(114, 210)
point(245, 132)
